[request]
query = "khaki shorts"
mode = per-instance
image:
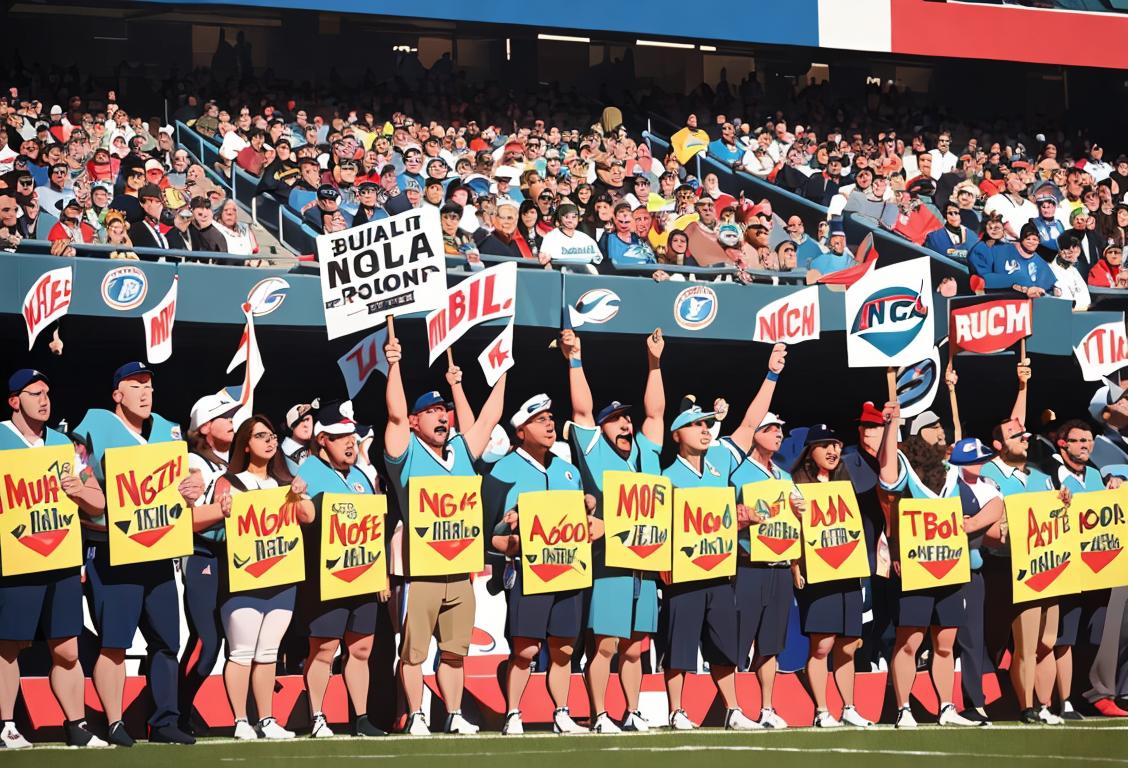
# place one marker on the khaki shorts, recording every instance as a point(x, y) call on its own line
point(439, 608)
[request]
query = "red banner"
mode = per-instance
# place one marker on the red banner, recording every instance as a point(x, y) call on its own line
point(991, 326)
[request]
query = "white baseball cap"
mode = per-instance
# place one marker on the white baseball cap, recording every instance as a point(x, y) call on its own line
point(925, 419)
point(530, 408)
point(1104, 397)
point(770, 419)
point(211, 407)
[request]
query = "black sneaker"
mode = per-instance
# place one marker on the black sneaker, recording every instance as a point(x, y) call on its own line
point(169, 734)
point(364, 727)
point(118, 736)
point(1029, 716)
point(1071, 714)
point(973, 715)
point(78, 735)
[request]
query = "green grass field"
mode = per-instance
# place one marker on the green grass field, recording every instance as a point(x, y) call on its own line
point(1091, 743)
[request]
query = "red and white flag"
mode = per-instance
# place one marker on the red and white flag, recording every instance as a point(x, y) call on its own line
point(158, 326)
point(497, 357)
point(359, 362)
point(47, 300)
point(247, 355)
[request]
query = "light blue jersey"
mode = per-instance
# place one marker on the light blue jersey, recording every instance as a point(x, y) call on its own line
point(518, 473)
point(420, 461)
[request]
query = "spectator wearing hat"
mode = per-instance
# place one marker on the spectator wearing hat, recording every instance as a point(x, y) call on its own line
point(57, 189)
point(1019, 268)
point(155, 173)
point(953, 240)
point(203, 234)
point(370, 198)
point(179, 235)
point(1049, 226)
point(553, 618)
point(835, 259)
point(122, 598)
point(1081, 227)
point(350, 621)
point(1070, 282)
point(328, 201)
point(51, 600)
point(71, 225)
point(417, 443)
point(1107, 272)
point(148, 233)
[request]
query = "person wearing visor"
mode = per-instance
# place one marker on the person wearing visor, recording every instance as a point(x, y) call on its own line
point(124, 598)
point(350, 620)
point(47, 604)
point(417, 443)
point(702, 615)
point(533, 620)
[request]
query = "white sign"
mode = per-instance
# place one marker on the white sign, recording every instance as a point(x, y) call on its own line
point(47, 300)
point(382, 269)
point(497, 357)
point(359, 362)
point(158, 326)
point(1103, 350)
point(789, 320)
point(488, 295)
point(889, 316)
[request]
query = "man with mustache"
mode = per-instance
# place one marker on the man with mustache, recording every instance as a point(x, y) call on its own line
point(624, 604)
point(417, 443)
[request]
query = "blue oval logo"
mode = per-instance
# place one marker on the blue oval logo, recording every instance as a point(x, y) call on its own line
point(124, 288)
point(695, 307)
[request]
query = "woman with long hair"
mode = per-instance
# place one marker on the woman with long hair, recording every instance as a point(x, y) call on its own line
point(830, 613)
point(527, 218)
point(255, 621)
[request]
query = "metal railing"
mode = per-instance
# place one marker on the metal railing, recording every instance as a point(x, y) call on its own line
point(95, 250)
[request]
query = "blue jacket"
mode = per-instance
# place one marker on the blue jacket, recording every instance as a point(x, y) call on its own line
point(1012, 268)
point(938, 240)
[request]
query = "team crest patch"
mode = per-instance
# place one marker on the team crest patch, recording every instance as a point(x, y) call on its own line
point(124, 288)
point(358, 487)
point(695, 307)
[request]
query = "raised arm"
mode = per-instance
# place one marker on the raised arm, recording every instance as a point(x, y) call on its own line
point(582, 404)
point(1024, 373)
point(478, 435)
point(654, 398)
point(397, 432)
point(888, 460)
point(760, 404)
point(463, 413)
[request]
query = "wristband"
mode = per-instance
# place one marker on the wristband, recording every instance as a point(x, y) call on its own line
point(575, 362)
point(772, 376)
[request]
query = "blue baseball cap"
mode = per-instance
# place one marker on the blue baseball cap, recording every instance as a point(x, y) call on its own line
point(24, 377)
point(970, 450)
point(426, 400)
point(335, 418)
point(610, 411)
point(821, 433)
point(690, 415)
point(135, 368)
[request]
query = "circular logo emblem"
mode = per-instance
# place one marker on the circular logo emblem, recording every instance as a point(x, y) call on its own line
point(695, 307)
point(358, 487)
point(267, 295)
point(596, 306)
point(124, 288)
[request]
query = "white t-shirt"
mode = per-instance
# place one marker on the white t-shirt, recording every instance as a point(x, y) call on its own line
point(210, 473)
point(1071, 285)
point(1014, 214)
point(577, 249)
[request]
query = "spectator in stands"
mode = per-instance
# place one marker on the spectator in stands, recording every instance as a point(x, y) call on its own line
point(1117, 226)
point(56, 190)
point(116, 230)
point(303, 194)
point(180, 236)
point(100, 196)
point(505, 239)
point(204, 235)
point(527, 218)
point(623, 246)
point(992, 236)
point(566, 244)
point(1015, 209)
point(1095, 165)
point(953, 240)
point(1107, 272)
point(786, 257)
point(725, 148)
point(821, 187)
point(1070, 282)
point(943, 160)
point(702, 233)
point(457, 243)
point(1080, 227)
point(806, 248)
point(1049, 226)
point(147, 232)
point(128, 202)
point(837, 258)
point(1019, 268)
point(914, 220)
point(252, 157)
point(70, 226)
point(280, 174)
point(241, 239)
point(412, 167)
point(328, 200)
point(370, 199)
point(155, 173)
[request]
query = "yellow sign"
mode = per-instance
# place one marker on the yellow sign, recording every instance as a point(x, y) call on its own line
point(39, 528)
point(445, 525)
point(352, 545)
point(834, 546)
point(777, 537)
point(555, 548)
point(146, 516)
point(932, 543)
point(1102, 530)
point(704, 533)
point(264, 541)
point(688, 142)
point(1043, 540)
point(636, 520)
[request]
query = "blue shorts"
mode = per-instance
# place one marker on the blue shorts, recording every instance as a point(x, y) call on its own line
point(933, 607)
point(763, 604)
point(120, 594)
point(700, 615)
point(333, 618)
point(51, 600)
point(538, 617)
point(831, 608)
point(1069, 619)
point(618, 609)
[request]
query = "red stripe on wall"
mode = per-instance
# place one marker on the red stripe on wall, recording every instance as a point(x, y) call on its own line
point(1009, 33)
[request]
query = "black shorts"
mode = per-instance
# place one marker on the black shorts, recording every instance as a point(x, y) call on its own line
point(933, 607)
point(700, 615)
point(763, 604)
point(1070, 608)
point(552, 614)
point(51, 601)
point(831, 608)
point(332, 618)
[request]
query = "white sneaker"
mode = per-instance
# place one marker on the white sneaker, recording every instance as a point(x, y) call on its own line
point(1048, 717)
point(851, 716)
point(417, 725)
point(824, 719)
point(562, 722)
point(905, 718)
point(636, 722)
point(736, 720)
point(244, 731)
point(513, 725)
point(949, 715)
point(680, 721)
point(604, 724)
point(12, 738)
point(456, 723)
point(270, 729)
point(320, 729)
point(770, 719)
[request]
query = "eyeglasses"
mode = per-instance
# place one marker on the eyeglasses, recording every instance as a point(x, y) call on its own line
point(268, 437)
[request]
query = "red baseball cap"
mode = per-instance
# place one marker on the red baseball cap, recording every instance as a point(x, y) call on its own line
point(870, 414)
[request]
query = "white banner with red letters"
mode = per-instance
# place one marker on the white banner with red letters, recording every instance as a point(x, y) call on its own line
point(158, 326)
point(990, 326)
point(489, 295)
point(47, 300)
point(1103, 350)
point(497, 357)
point(789, 320)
